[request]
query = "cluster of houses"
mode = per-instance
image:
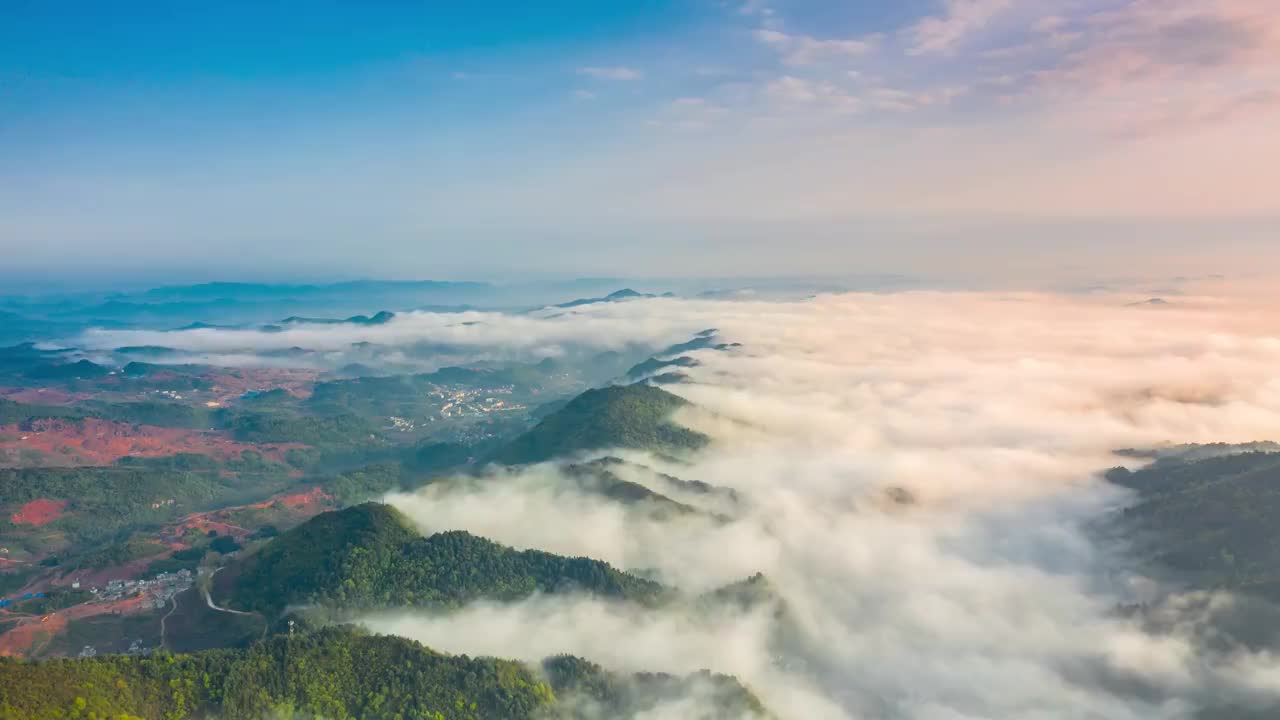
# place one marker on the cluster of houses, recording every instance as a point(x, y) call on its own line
point(159, 589)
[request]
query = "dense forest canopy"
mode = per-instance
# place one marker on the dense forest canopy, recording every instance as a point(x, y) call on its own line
point(636, 417)
point(369, 556)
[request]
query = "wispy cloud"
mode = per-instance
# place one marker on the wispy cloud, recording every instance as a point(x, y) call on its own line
point(803, 50)
point(792, 90)
point(611, 73)
point(959, 19)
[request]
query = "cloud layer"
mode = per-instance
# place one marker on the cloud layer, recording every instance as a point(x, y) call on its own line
point(920, 483)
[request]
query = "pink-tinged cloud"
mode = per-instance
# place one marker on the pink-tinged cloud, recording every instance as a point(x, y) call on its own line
point(1155, 65)
point(802, 50)
point(959, 19)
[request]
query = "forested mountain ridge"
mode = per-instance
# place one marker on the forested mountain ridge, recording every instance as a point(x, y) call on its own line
point(342, 673)
point(368, 556)
point(333, 673)
point(636, 417)
point(1209, 519)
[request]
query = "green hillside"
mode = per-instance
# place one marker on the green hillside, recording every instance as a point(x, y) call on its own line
point(342, 673)
point(368, 556)
point(1210, 520)
point(634, 417)
point(596, 693)
point(335, 673)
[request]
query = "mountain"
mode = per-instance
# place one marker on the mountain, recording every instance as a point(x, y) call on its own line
point(667, 495)
point(1210, 520)
point(335, 673)
point(615, 296)
point(597, 478)
point(597, 693)
point(381, 318)
point(342, 672)
point(369, 556)
point(635, 417)
point(79, 370)
point(664, 367)
point(707, 339)
point(653, 365)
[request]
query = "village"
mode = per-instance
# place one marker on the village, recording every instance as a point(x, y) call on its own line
point(158, 590)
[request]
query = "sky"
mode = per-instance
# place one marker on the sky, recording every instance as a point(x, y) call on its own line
point(668, 137)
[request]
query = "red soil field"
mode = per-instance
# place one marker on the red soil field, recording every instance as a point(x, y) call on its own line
point(230, 385)
point(38, 512)
point(299, 504)
point(91, 441)
point(41, 396)
point(314, 499)
point(35, 631)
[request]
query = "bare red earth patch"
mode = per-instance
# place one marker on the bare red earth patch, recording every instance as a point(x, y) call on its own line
point(41, 396)
point(39, 512)
point(231, 385)
point(91, 441)
point(311, 500)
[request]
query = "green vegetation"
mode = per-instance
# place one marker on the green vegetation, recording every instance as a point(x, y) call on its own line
point(599, 693)
point(52, 600)
point(123, 553)
point(1211, 520)
point(267, 427)
point(336, 673)
point(277, 398)
point(416, 396)
point(186, 559)
point(342, 673)
point(653, 365)
point(635, 417)
point(369, 556)
point(80, 370)
point(597, 477)
point(746, 594)
point(105, 504)
point(162, 414)
point(377, 479)
point(17, 413)
point(433, 457)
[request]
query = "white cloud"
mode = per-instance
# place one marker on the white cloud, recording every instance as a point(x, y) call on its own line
point(959, 19)
point(790, 89)
point(986, 596)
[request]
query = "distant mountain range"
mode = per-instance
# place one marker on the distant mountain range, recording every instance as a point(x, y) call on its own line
point(616, 296)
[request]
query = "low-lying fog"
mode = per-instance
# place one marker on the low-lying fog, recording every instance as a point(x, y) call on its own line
point(980, 591)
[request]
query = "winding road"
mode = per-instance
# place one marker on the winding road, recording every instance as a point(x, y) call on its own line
point(209, 598)
point(174, 600)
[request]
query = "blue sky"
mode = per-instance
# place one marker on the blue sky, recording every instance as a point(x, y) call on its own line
point(425, 138)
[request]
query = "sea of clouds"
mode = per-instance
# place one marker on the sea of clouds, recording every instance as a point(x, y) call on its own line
point(989, 593)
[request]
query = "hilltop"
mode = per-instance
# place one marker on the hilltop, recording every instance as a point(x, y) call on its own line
point(635, 417)
point(615, 296)
point(369, 556)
